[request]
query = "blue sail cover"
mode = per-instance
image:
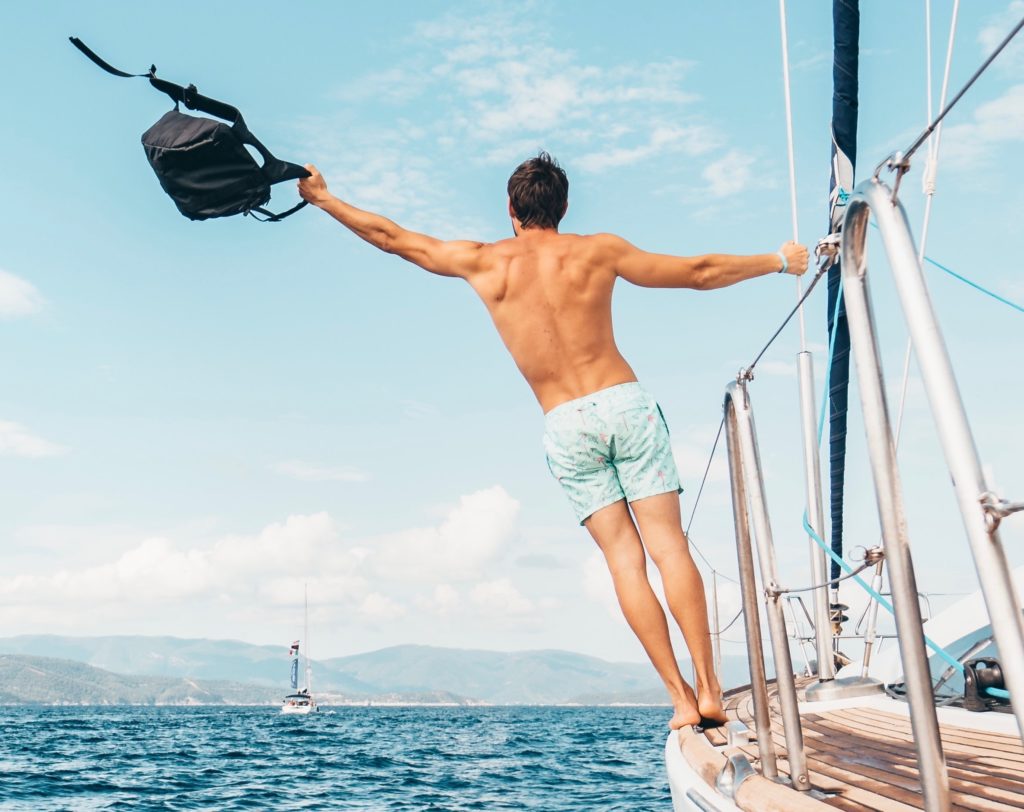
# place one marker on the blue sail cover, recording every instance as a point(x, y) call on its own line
point(846, 36)
point(295, 672)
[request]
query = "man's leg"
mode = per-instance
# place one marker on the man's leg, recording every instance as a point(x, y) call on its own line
point(662, 531)
point(613, 529)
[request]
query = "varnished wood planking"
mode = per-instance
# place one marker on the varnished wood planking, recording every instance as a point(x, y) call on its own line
point(867, 756)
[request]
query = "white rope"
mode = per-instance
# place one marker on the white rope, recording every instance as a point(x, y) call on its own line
point(928, 64)
point(792, 160)
point(931, 169)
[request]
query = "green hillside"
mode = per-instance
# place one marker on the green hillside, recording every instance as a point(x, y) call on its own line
point(51, 681)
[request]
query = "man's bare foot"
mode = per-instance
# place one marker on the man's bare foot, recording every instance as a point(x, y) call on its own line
point(685, 714)
point(712, 714)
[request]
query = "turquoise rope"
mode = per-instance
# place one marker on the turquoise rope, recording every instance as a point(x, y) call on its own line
point(976, 286)
point(973, 284)
point(939, 650)
point(943, 654)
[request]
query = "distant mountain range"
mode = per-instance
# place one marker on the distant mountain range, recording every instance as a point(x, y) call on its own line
point(25, 679)
point(52, 669)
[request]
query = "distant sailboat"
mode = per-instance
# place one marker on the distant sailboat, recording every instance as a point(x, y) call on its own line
point(302, 700)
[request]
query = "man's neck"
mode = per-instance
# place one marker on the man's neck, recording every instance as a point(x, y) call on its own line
point(520, 231)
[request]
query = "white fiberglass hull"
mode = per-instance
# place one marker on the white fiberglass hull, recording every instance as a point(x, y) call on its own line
point(298, 709)
point(690, 793)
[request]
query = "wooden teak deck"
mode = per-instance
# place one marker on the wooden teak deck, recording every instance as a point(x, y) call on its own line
point(864, 758)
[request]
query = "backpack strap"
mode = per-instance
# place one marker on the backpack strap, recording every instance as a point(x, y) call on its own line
point(81, 46)
point(270, 217)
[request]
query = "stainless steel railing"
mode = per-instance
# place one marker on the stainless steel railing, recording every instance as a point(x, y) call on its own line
point(748, 488)
point(874, 197)
point(750, 508)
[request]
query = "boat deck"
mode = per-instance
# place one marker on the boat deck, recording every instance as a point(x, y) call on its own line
point(864, 758)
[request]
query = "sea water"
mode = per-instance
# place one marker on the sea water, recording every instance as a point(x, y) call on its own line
point(366, 758)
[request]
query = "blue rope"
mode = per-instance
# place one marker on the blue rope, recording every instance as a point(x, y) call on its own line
point(948, 658)
point(939, 650)
point(967, 281)
point(975, 285)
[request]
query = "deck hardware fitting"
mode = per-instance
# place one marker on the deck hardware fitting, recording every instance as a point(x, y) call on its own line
point(736, 770)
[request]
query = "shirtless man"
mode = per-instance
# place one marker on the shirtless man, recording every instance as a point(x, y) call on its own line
point(550, 297)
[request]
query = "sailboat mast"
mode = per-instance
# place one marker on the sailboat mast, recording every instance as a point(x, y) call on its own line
point(846, 32)
point(305, 632)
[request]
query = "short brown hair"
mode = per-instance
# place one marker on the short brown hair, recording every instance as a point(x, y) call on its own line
point(539, 192)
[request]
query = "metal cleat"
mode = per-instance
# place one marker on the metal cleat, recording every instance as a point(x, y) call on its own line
point(736, 770)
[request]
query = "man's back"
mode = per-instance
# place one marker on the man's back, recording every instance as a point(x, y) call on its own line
point(549, 296)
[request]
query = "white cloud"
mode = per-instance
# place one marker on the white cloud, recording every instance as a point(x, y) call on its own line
point(516, 82)
point(18, 441)
point(729, 603)
point(693, 140)
point(500, 597)
point(317, 473)
point(489, 85)
point(253, 573)
point(376, 606)
point(294, 546)
point(471, 535)
point(730, 174)
point(443, 601)
point(994, 123)
point(270, 567)
point(1011, 60)
point(597, 583)
point(692, 448)
point(18, 297)
point(394, 171)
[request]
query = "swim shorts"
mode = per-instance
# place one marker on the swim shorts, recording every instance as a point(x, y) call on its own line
point(612, 444)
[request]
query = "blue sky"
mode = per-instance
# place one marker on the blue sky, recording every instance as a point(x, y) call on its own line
point(197, 418)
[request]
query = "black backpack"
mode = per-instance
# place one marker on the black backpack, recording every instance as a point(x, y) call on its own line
point(203, 164)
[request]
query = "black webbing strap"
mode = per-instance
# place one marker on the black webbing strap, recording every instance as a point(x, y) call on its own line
point(81, 46)
point(188, 96)
point(270, 216)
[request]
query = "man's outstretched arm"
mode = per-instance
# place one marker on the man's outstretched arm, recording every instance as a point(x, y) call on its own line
point(703, 272)
point(447, 258)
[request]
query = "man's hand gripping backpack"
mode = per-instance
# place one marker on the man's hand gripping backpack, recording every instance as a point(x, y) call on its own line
point(203, 164)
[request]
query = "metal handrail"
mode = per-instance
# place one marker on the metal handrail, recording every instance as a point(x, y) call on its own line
point(748, 597)
point(815, 515)
point(947, 408)
point(748, 488)
point(874, 197)
point(972, 495)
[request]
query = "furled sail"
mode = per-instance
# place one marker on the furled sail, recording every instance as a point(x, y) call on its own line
point(846, 36)
point(295, 672)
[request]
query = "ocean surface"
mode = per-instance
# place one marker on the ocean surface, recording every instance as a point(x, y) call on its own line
point(367, 758)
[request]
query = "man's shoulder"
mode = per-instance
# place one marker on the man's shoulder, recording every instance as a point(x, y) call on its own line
point(603, 245)
point(592, 248)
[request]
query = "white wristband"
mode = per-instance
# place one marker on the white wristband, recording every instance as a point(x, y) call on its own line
point(785, 262)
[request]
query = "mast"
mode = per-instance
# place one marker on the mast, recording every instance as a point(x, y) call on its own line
point(305, 632)
point(846, 33)
point(846, 36)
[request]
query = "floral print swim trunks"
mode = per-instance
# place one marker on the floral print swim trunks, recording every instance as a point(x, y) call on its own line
point(612, 444)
